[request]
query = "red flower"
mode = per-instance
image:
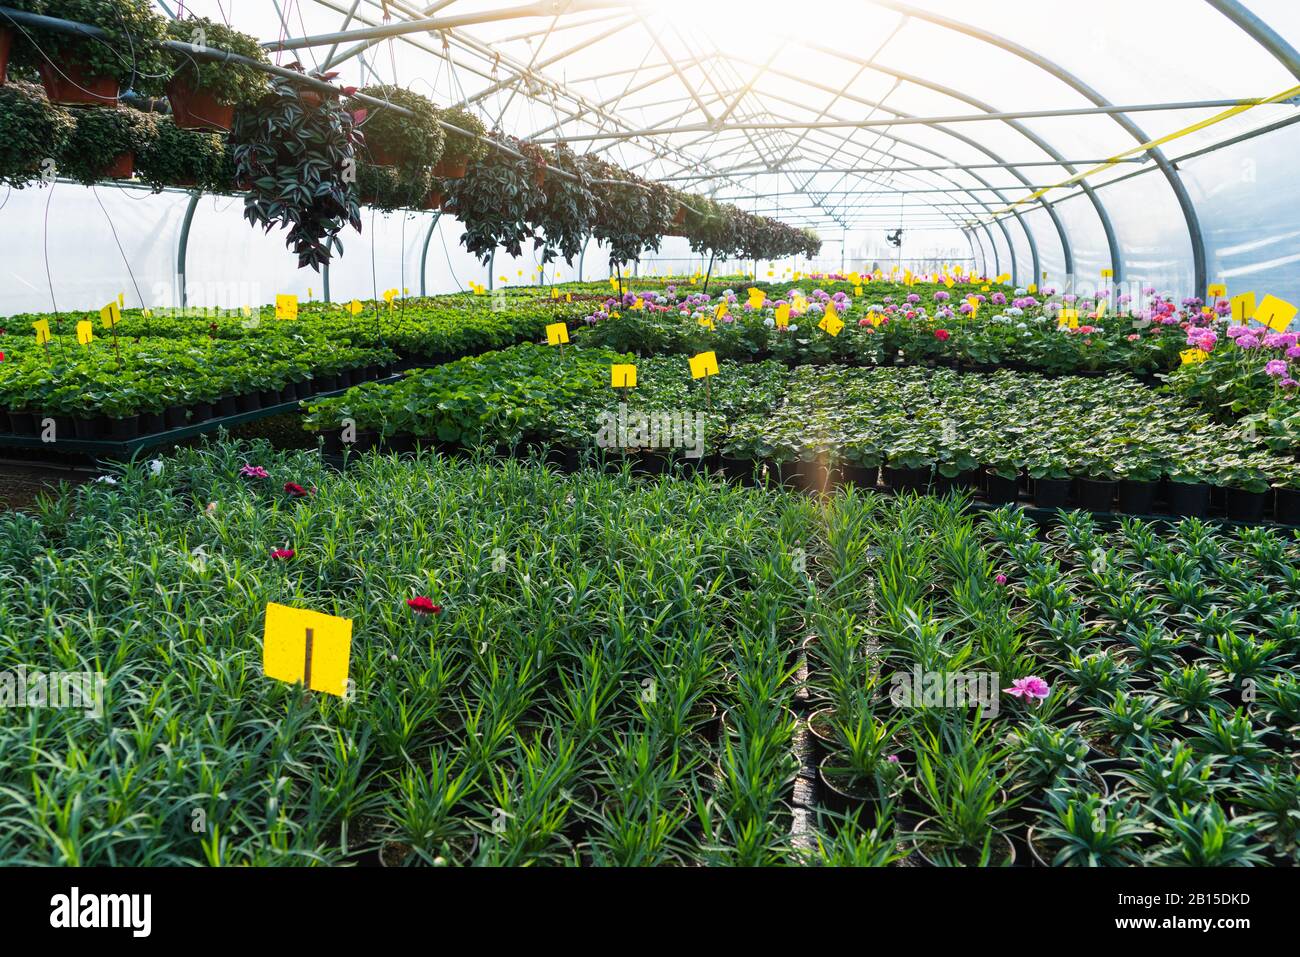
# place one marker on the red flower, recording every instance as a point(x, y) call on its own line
point(284, 554)
point(2, 357)
point(423, 606)
point(942, 334)
point(294, 489)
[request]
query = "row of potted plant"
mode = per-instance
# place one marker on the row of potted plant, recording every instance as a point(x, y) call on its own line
point(987, 703)
point(129, 387)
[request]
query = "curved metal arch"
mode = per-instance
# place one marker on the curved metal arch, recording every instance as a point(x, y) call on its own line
point(1194, 233)
point(1261, 33)
point(1020, 128)
point(939, 127)
point(955, 186)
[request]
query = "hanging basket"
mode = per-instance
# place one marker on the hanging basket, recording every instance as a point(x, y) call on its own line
point(196, 109)
point(121, 168)
point(311, 98)
point(539, 178)
point(435, 200)
point(70, 85)
point(380, 156)
point(679, 219)
point(452, 168)
point(6, 42)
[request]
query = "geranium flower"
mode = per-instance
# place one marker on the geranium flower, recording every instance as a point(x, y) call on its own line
point(942, 335)
point(423, 606)
point(254, 471)
point(284, 554)
point(1134, 337)
point(296, 490)
point(1033, 689)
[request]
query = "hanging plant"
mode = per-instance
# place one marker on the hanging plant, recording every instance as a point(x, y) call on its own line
point(82, 70)
point(204, 94)
point(568, 211)
point(105, 142)
point(411, 142)
point(390, 188)
point(14, 47)
point(496, 198)
point(631, 214)
point(460, 151)
point(183, 158)
point(300, 163)
point(31, 132)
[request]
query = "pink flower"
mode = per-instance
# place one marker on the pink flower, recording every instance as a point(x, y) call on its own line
point(892, 759)
point(1033, 688)
point(1134, 337)
point(423, 605)
point(254, 471)
point(942, 334)
point(1001, 579)
point(284, 554)
point(1276, 367)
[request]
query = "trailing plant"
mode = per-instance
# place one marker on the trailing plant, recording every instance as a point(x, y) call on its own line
point(412, 143)
point(495, 198)
point(566, 215)
point(229, 83)
point(32, 130)
point(184, 158)
point(299, 162)
point(131, 52)
point(101, 136)
point(458, 146)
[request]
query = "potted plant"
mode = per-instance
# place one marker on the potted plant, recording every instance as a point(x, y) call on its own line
point(295, 160)
point(105, 142)
point(389, 188)
point(565, 216)
point(1189, 486)
point(77, 70)
point(1087, 829)
point(494, 201)
point(464, 145)
point(1246, 485)
point(395, 139)
point(181, 158)
point(1139, 473)
point(204, 94)
point(31, 130)
point(1286, 481)
point(7, 38)
point(1051, 481)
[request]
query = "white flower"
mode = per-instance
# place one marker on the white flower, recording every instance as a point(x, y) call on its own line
point(769, 322)
point(793, 327)
point(107, 480)
point(155, 466)
point(1021, 325)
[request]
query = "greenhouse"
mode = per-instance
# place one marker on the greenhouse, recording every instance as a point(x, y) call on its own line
point(365, 499)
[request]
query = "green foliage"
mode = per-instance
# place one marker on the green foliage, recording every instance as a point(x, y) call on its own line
point(131, 53)
point(231, 84)
point(102, 134)
point(31, 131)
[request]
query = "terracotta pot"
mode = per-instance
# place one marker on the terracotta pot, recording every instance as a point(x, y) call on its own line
point(451, 168)
point(121, 168)
point(539, 178)
point(380, 156)
point(196, 109)
point(70, 84)
point(311, 98)
point(679, 219)
point(6, 41)
point(434, 200)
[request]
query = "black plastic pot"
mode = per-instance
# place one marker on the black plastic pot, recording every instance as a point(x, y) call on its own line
point(652, 463)
point(1243, 506)
point(269, 397)
point(174, 417)
point(23, 423)
point(95, 427)
point(201, 412)
point(5, 427)
point(930, 853)
point(1051, 493)
point(906, 480)
point(125, 428)
point(741, 470)
point(151, 423)
point(325, 383)
point(809, 476)
point(248, 402)
point(999, 490)
point(302, 389)
point(1188, 499)
point(1288, 506)
point(227, 406)
point(1096, 496)
point(1137, 498)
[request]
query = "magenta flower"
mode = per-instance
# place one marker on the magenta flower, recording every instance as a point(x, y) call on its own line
point(1001, 579)
point(1276, 367)
point(1247, 341)
point(1033, 689)
point(254, 471)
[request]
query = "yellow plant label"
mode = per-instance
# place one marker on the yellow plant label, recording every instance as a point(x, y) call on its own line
point(704, 364)
point(286, 307)
point(949, 282)
point(831, 324)
point(42, 327)
point(1069, 319)
point(110, 315)
point(1107, 273)
point(1102, 305)
point(355, 307)
point(757, 297)
point(707, 322)
point(622, 376)
point(1005, 277)
point(85, 332)
point(783, 315)
point(720, 310)
point(308, 647)
point(1191, 356)
point(555, 293)
point(568, 297)
point(1031, 288)
point(557, 333)
point(1243, 307)
point(857, 292)
point(121, 300)
point(639, 304)
point(1275, 313)
point(613, 282)
point(1218, 290)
